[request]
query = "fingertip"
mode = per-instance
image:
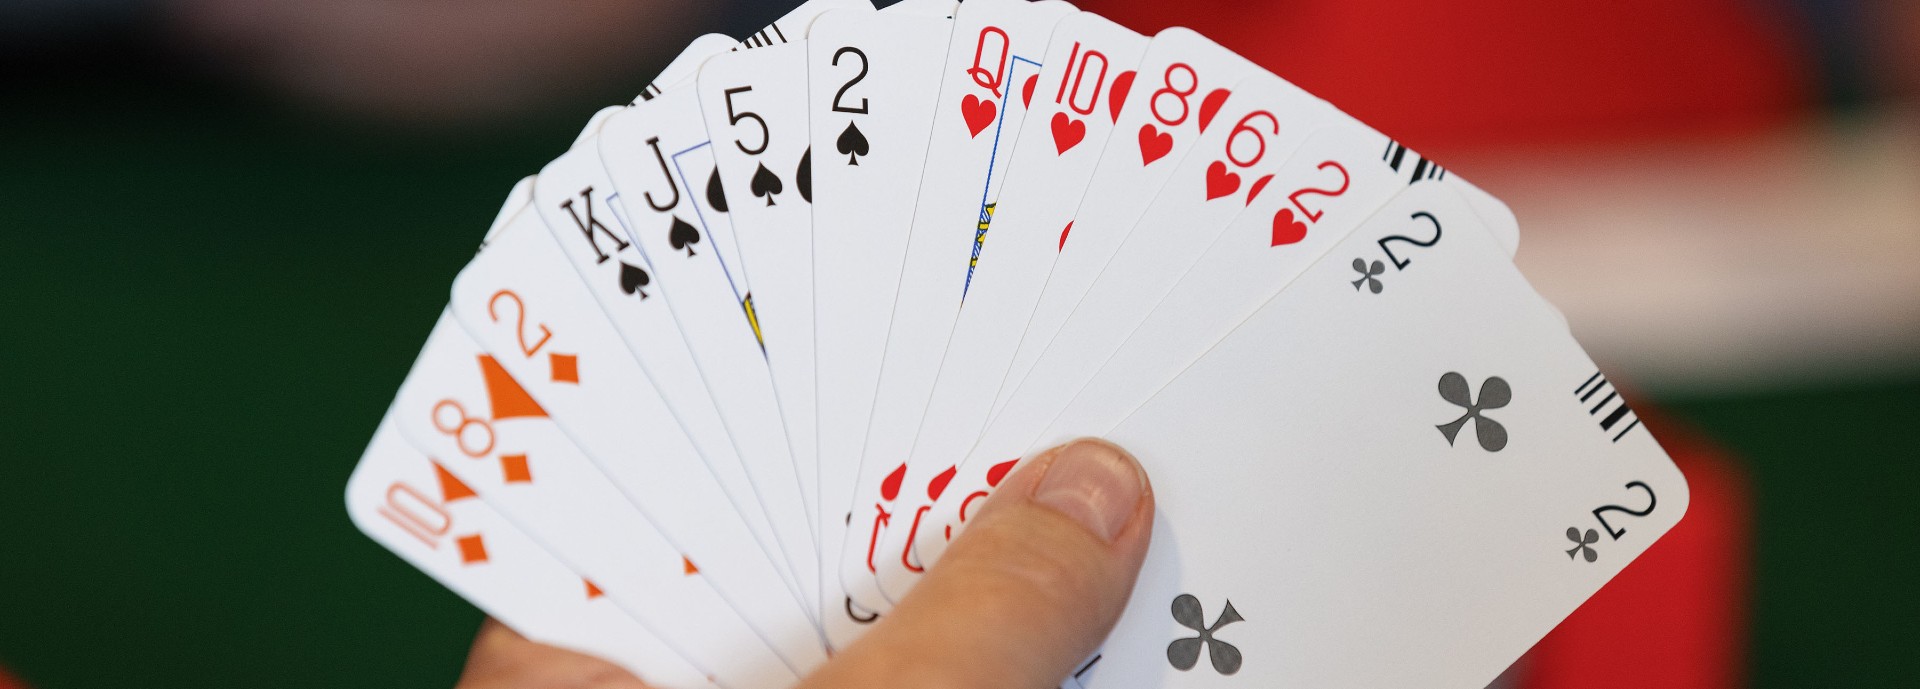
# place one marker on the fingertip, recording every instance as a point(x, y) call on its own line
point(1096, 484)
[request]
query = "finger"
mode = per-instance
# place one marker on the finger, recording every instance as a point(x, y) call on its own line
point(503, 659)
point(1027, 591)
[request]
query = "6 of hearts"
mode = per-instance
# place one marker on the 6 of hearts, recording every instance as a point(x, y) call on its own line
point(730, 373)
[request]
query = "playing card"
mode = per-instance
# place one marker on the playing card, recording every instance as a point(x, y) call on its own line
point(988, 78)
point(1084, 79)
point(648, 150)
point(1356, 475)
point(871, 103)
point(681, 72)
point(575, 201)
point(1231, 164)
point(459, 406)
point(524, 303)
point(1244, 268)
point(403, 500)
point(754, 104)
point(1183, 80)
point(1337, 179)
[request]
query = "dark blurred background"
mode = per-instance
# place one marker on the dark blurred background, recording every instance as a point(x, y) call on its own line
point(229, 223)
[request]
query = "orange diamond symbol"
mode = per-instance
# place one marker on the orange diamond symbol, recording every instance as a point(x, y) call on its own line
point(687, 567)
point(515, 469)
point(592, 590)
point(472, 549)
point(450, 486)
point(566, 368)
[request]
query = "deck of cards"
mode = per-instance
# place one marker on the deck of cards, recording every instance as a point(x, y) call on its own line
point(726, 377)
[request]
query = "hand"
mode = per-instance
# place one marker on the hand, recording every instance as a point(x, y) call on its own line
point(1028, 590)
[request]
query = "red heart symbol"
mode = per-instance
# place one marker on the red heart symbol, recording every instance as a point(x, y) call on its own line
point(1067, 132)
point(999, 471)
point(1258, 184)
point(939, 483)
point(1219, 181)
point(1154, 143)
point(1026, 91)
point(1210, 106)
point(1286, 228)
point(890, 487)
point(1117, 97)
point(979, 113)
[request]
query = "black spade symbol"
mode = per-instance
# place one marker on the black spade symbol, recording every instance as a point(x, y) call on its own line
point(632, 278)
point(765, 185)
point(852, 144)
point(803, 177)
point(716, 197)
point(683, 235)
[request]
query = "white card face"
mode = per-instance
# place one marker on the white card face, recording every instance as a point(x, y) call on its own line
point(1433, 468)
point(990, 71)
point(755, 104)
point(524, 303)
point(402, 500)
point(870, 107)
point(648, 150)
point(1232, 164)
point(1087, 71)
point(681, 72)
point(1183, 81)
point(1334, 182)
point(577, 204)
point(460, 407)
point(1269, 243)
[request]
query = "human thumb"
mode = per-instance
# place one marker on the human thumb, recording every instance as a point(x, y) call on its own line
point(1026, 592)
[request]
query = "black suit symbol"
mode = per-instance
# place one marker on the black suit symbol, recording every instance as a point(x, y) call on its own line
point(1369, 275)
point(852, 144)
point(716, 196)
point(683, 235)
point(1185, 653)
point(632, 278)
point(1582, 543)
point(765, 184)
point(803, 177)
point(1494, 394)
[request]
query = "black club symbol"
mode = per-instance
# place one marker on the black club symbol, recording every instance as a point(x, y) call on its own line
point(1185, 653)
point(1367, 274)
point(1494, 394)
point(1583, 544)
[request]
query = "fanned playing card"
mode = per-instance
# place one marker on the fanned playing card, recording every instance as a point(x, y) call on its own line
point(420, 511)
point(1396, 473)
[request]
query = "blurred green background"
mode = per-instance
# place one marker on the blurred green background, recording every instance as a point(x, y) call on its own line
point(210, 298)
